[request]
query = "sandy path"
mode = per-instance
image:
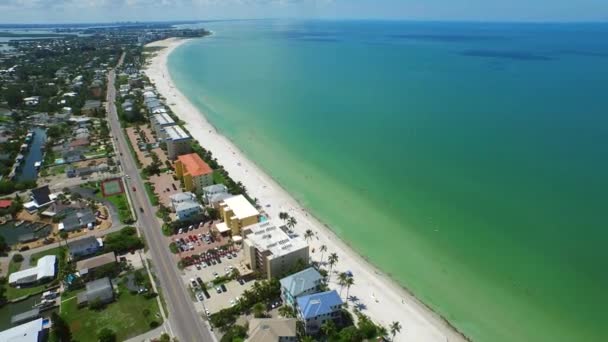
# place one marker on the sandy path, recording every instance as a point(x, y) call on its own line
point(382, 299)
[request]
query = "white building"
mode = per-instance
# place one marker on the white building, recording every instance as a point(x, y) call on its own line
point(178, 141)
point(185, 205)
point(271, 251)
point(160, 121)
point(34, 331)
point(44, 270)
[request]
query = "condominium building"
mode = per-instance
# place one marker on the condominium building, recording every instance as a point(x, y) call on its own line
point(194, 172)
point(269, 250)
point(177, 140)
point(161, 121)
point(236, 212)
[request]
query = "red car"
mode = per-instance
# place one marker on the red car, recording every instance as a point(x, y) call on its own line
point(133, 188)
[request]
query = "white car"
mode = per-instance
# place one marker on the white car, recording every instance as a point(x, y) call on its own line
point(232, 303)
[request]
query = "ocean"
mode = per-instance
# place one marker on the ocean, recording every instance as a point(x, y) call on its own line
point(466, 160)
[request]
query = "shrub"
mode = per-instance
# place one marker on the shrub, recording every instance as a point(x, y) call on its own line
point(17, 258)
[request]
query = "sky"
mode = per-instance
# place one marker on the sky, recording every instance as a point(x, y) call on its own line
point(60, 11)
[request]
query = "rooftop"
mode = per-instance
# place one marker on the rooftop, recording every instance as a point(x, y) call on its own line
point(265, 236)
point(95, 262)
point(163, 119)
point(302, 281)
point(28, 332)
point(194, 165)
point(43, 269)
point(319, 304)
point(176, 133)
point(271, 329)
point(241, 207)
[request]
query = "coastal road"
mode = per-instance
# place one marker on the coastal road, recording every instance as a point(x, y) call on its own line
point(185, 322)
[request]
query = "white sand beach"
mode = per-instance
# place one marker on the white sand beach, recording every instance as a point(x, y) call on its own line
point(379, 296)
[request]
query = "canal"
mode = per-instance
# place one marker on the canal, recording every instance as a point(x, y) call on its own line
point(9, 310)
point(34, 154)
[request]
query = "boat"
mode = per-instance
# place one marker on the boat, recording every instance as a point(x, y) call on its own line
point(37, 165)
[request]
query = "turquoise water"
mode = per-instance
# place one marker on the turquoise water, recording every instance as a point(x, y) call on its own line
point(468, 161)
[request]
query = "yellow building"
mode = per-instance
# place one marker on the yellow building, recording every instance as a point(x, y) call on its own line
point(194, 172)
point(237, 213)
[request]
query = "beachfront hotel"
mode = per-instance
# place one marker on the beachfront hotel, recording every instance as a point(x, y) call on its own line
point(269, 250)
point(236, 212)
point(178, 141)
point(194, 172)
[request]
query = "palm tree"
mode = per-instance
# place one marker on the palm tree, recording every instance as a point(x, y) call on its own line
point(291, 222)
point(259, 310)
point(328, 328)
point(395, 327)
point(307, 339)
point(64, 236)
point(283, 216)
point(308, 234)
point(342, 281)
point(323, 249)
point(332, 260)
point(348, 283)
point(382, 332)
point(287, 311)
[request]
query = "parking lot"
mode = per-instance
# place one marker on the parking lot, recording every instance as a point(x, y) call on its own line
point(199, 245)
point(221, 300)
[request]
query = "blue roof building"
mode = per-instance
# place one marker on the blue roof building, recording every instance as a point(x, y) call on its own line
point(316, 309)
point(299, 284)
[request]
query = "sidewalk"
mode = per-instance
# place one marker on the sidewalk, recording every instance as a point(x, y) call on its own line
point(148, 336)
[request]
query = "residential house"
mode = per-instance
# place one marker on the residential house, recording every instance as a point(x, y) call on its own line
point(272, 330)
point(91, 107)
point(194, 172)
point(210, 192)
point(88, 266)
point(236, 212)
point(317, 308)
point(78, 220)
point(185, 205)
point(41, 197)
point(303, 283)
point(83, 247)
point(178, 142)
point(34, 331)
point(45, 269)
point(100, 289)
point(269, 250)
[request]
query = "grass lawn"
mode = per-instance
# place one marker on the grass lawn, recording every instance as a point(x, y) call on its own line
point(125, 316)
point(13, 267)
point(122, 205)
point(150, 192)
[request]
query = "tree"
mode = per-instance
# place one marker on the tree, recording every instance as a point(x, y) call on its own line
point(348, 283)
point(322, 249)
point(164, 337)
point(328, 328)
point(395, 328)
point(291, 222)
point(332, 260)
point(60, 330)
point(342, 281)
point(283, 216)
point(107, 335)
point(259, 310)
point(287, 311)
point(17, 258)
point(3, 245)
point(308, 234)
point(64, 236)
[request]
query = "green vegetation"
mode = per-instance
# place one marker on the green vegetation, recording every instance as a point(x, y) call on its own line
point(15, 264)
point(130, 315)
point(123, 241)
point(151, 194)
point(122, 205)
point(235, 333)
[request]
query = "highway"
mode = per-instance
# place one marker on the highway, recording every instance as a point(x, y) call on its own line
point(185, 322)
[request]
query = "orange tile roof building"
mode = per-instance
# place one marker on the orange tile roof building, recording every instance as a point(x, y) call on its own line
point(194, 172)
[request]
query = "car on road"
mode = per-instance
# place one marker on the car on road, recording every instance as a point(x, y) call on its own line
point(133, 188)
point(141, 209)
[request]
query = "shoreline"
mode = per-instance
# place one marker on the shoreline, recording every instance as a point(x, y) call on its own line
point(385, 300)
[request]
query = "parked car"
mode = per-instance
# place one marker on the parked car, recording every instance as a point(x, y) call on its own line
point(193, 282)
point(223, 287)
point(218, 289)
point(241, 281)
point(200, 296)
